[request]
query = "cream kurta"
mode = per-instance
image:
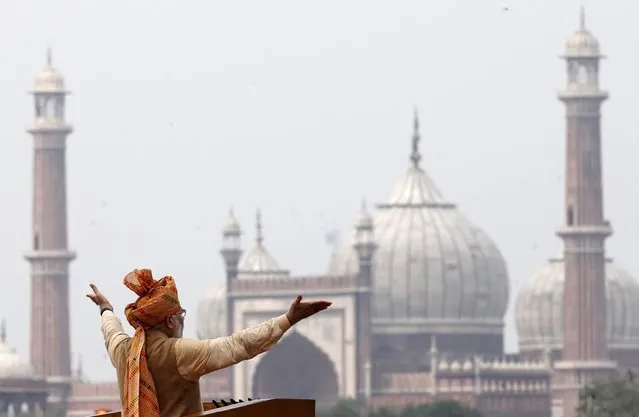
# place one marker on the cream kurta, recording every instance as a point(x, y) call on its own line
point(177, 364)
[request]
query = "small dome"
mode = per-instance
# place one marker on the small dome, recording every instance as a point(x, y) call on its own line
point(364, 219)
point(231, 249)
point(582, 44)
point(12, 366)
point(49, 79)
point(231, 226)
point(259, 263)
point(211, 314)
point(433, 269)
point(539, 308)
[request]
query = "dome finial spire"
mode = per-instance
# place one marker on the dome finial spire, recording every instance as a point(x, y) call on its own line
point(415, 156)
point(49, 57)
point(259, 237)
point(80, 370)
point(582, 17)
point(3, 331)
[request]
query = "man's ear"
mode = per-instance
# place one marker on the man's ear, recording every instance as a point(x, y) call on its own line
point(168, 322)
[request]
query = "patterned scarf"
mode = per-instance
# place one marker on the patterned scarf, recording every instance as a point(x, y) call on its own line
point(156, 301)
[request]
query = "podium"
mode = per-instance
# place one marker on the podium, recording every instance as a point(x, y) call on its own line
point(273, 407)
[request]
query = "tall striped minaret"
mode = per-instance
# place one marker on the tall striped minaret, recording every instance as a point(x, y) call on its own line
point(585, 354)
point(49, 255)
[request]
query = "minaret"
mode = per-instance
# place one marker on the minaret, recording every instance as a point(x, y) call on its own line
point(231, 253)
point(49, 256)
point(585, 354)
point(364, 245)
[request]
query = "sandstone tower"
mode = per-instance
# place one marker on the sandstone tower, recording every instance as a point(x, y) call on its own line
point(49, 255)
point(585, 354)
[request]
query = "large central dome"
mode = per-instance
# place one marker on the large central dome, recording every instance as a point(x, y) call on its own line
point(434, 271)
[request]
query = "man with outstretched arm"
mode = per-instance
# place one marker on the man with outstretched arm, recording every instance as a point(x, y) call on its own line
point(159, 371)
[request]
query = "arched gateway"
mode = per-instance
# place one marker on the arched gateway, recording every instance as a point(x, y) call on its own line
point(322, 357)
point(297, 369)
point(316, 359)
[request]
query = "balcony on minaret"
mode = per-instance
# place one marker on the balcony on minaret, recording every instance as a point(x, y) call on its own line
point(603, 230)
point(583, 80)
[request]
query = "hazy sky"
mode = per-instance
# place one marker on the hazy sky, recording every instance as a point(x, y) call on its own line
point(302, 108)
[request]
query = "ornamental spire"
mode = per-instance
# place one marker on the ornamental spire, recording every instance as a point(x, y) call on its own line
point(259, 237)
point(415, 156)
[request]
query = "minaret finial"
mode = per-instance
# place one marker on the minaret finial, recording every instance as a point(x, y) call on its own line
point(582, 17)
point(3, 331)
point(415, 156)
point(231, 212)
point(259, 238)
point(49, 57)
point(79, 370)
point(364, 205)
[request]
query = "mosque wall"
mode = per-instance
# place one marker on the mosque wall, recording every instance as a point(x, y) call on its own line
point(410, 352)
point(625, 358)
point(499, 388)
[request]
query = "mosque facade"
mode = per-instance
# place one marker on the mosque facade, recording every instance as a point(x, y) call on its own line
point(419, 293)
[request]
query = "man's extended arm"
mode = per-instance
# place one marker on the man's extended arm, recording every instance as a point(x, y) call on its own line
point(114, 336)
point(196, 358)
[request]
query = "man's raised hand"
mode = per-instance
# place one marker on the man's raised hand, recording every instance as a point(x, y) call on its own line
point(98, 298)
point(300, 310)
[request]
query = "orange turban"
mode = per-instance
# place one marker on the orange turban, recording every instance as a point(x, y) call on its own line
point(156, 301)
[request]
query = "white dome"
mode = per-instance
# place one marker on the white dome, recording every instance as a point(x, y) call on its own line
point(582, 44)
point(259, 263)
point(12, 366)
point(539, 308)
point(364, 219)
point(211, 314)
point(433, 270)
point(231, 226)
point(49, 79)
